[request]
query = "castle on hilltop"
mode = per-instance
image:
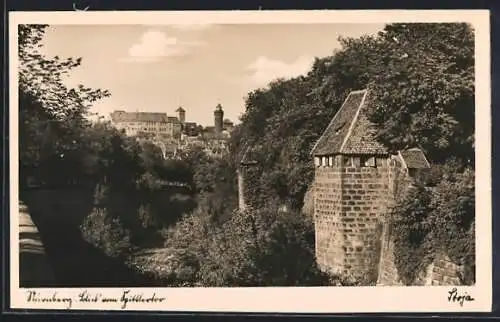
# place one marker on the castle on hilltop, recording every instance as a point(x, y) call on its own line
point(173, 134)
point(174, 127)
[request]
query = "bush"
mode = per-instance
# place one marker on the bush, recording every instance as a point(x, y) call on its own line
point(453, 220)
point(165, 266)
point(252, 248)
point(429, 222)
point(106, 233)
point(410, 231)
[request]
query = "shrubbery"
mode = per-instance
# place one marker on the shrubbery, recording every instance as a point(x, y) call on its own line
point(265, 247)
point(107, 234)
point(431, 221)
point(410, 230)
point(453, 220)
point(251, 248)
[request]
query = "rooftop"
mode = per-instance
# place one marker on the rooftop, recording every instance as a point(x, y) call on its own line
point(121, 116)
point(249, 155)
point(350, 131)
point(414, 159)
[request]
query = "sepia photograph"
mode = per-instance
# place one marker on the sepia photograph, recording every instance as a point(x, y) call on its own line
point(232, 153)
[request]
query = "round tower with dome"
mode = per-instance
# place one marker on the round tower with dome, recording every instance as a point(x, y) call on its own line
point(219, 119)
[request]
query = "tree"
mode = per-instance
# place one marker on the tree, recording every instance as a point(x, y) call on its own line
point(410, 228)
point(263, 248)
point(423, 88)
point(281, 124)
point(453, 220)
point(421, 83)
point(436, 221)
point(431, 107)
point(252, 248)
point(43, 78)
point(52, 116)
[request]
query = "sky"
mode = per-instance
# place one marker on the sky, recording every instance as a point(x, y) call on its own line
point(157, 68)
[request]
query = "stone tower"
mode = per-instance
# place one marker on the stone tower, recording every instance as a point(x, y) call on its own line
point(353, 189)
point(247, 160)
point(181, 114)
point(218, 119)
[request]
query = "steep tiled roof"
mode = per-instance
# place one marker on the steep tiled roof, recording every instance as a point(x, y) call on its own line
point(362, 138)
point(249, 156)
point(350, 131)
point(121, 116)
point(414, 159)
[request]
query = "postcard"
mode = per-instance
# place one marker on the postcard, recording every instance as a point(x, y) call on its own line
point(251, 161)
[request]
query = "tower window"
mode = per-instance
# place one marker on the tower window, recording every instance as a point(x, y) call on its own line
point(412, 172)
point(368, 162)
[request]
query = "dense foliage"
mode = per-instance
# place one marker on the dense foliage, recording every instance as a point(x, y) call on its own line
point(60, 147)
point(107, 233)
point(424, 89)
point(411, 232)
point(421, 81)
point(436, 220)
point(453, 220)
point(52, 115)
point(252, 248)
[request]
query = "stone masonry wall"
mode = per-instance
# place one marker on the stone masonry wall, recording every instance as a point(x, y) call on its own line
point(364, 194)
point(445, 272)
point(388, 273)
point(397, 178)
point(241, 188)
point(349, 199)
point(442, 271)
point(353, 236)
point(327, 217)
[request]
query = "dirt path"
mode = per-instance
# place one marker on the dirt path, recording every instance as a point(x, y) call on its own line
point(34, 267)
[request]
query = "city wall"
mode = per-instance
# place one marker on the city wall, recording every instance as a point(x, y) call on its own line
point(351, 203)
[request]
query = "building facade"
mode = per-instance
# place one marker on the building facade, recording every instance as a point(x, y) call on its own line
point(145, 123)
point(228, 126)
point(163, 129)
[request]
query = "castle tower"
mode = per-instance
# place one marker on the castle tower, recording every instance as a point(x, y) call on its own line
point(241, 188)
point(353, 190)
point(181, 114)
point(218, 119)
point(246, 162)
